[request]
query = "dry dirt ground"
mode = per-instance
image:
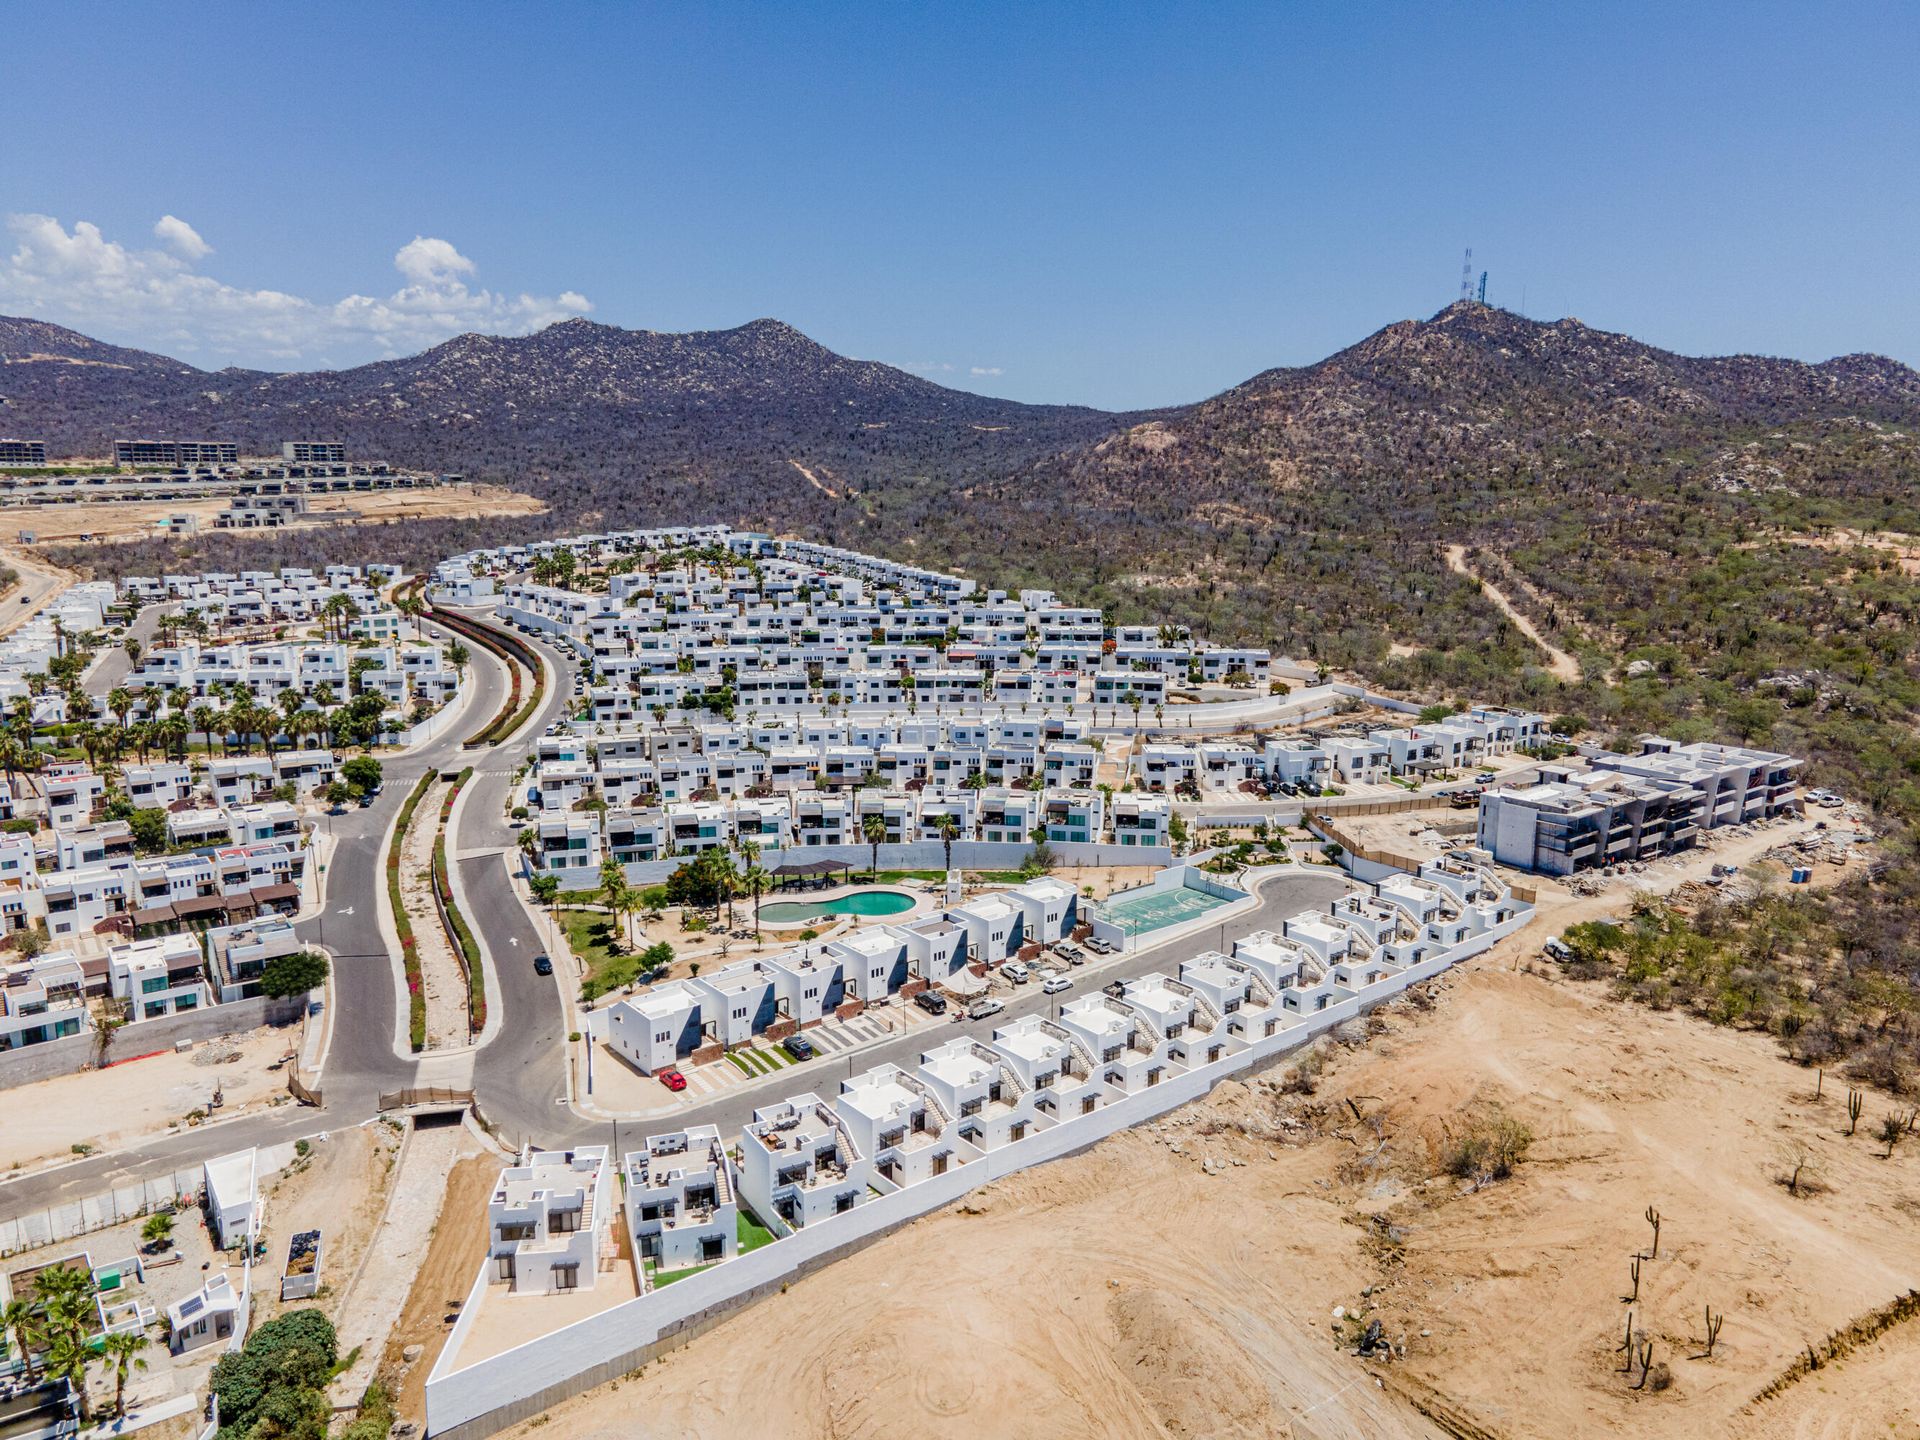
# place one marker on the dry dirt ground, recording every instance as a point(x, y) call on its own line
point(1130, 1292)
point(135, 520)
point(139, 1097)
point(338, 1188)
point(425, 1212)
point(440, 1285)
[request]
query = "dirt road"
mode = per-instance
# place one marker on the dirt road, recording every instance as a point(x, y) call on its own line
point(1560, 664)
point(40, 585)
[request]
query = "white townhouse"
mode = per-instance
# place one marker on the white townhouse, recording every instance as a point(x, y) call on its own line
point(799, 1164)
point(682, 1203)
point(547, 1220)
point(161, 976)
point(894, 1117)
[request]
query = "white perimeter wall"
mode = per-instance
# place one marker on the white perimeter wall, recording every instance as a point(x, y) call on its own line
point(509, 1387)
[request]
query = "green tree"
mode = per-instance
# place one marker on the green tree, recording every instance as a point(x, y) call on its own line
point(20, 1320)
point(279, 1380)
point(158, 1231)
point(294, 974)
point(149, 829)
point(873, 828)
point(362, 771)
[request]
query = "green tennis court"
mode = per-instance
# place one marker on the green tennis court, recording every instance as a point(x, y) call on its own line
point(1142, 914)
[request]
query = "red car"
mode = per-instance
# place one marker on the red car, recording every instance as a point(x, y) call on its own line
point(673, 1080)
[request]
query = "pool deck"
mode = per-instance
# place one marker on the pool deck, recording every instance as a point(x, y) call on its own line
point(924, 902)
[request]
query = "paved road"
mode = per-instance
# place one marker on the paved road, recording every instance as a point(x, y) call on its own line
point(111, 666)
point(519, 1074)
point(367, 1051)
point(40, 584)
point(1282, 895)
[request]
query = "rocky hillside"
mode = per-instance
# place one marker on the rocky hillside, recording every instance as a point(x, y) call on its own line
point(598, 419)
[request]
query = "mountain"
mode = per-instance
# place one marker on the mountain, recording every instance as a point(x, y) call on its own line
point(593, 417)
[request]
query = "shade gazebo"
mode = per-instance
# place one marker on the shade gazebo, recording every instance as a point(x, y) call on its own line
point(805, 870)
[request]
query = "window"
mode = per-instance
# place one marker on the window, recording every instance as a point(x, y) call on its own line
point(566, 1277)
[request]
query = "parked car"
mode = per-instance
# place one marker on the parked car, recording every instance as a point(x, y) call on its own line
point(983, 1007)
point(1072, 954)
point(931, 1001)
point(1556, 950)
point(1016, 972)
point(798, 1046)
point(542, 965)
point(1055, 983)
point(1117, 988)
point(673, 1080)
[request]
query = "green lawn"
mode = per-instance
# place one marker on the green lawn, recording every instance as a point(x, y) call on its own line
point(592, 936)
point(752, 1234)
point(749, 1232)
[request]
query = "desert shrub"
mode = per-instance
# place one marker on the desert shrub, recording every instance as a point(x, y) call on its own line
point(1486, 1147)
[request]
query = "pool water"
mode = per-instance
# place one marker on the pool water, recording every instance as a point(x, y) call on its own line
point(861, 902)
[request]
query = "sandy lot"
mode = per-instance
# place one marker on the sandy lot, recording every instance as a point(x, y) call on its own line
point(135, 520)
point(401, 1256)
point(139, 1097)
point(1129, 1291)
point(440, 1286)
point(338, 1188)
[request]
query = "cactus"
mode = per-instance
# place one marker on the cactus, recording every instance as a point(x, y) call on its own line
point(1646, 1364)
point(1855, 1103)
point(1714, 1322)
point(1653, 1219)
point(1633, 1269)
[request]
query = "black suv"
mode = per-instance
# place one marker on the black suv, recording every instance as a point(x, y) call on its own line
point(542, 965)
point(797, 1047)
point(931, 1002)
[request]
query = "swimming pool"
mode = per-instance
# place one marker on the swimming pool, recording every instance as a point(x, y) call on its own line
point(860, 902)
point(1157, 909)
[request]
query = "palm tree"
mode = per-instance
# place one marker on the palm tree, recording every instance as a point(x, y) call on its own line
point(873, 828)
point(120, 702)
point(20, 1320)
point(122, 1351)
point(756, 882)
point(529, 843)
point(203, 718)
point(949, 831)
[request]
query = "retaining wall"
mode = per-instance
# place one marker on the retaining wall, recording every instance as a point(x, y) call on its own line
point(504, 1389)
point(76, 1052)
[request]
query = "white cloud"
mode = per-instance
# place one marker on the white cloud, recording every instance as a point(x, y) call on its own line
point(431, 262)
point(987, 370)
point(181, 238)
point(159, 299)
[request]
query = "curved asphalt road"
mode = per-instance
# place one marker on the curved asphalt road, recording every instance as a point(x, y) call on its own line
point(367, 1051)
point(519, 1073)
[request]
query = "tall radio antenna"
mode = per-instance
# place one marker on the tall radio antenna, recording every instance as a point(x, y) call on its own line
point(1466, 275)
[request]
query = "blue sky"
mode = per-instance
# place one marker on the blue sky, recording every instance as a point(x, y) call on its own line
point(1102, 204)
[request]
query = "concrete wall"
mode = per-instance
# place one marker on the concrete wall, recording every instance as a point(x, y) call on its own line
point(144, 1037)
point(485, 1398)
